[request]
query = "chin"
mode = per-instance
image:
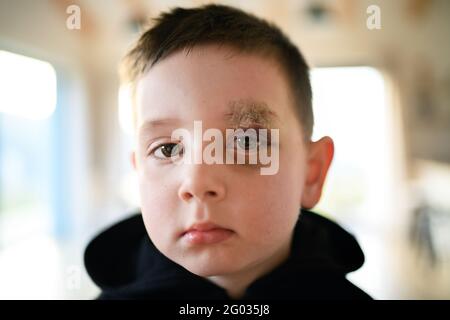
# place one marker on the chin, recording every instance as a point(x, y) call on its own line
point(211, 269)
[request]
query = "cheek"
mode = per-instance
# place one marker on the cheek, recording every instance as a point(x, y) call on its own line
point(156, 184)
point(158, 208)
point(155, 192)
point(279, 196)
point(269, 208)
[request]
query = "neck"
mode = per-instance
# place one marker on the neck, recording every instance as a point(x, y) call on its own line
point(237, 283)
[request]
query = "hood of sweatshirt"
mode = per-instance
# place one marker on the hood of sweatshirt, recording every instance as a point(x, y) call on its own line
point(124, 263)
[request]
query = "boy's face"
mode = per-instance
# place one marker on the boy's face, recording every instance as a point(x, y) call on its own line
point(258, 211)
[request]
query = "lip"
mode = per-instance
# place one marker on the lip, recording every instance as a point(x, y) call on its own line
point(206, 233)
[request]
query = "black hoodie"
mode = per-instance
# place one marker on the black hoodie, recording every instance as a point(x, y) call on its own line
point(125, 264)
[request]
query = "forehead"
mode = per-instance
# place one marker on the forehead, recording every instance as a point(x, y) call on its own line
point(212, 83)
point(241, 113)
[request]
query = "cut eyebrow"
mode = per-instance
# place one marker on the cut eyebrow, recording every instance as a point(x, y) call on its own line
point(244, 113)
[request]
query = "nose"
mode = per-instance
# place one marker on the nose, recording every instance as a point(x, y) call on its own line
point(202, 183)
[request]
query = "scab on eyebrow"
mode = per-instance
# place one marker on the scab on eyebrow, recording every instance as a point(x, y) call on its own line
point(247, 113)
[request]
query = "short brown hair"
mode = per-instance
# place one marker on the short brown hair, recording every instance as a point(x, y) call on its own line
point(218, 24)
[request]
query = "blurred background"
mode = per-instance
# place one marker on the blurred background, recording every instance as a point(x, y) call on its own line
point(381, 81)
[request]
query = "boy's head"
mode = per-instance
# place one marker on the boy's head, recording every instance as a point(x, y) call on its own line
point(227, 69)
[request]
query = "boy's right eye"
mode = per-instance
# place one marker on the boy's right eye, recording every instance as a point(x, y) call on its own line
point(167, 151)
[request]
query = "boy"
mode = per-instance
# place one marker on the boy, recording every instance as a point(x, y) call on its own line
point(216, 230)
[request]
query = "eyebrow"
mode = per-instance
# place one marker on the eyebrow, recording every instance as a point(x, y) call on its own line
point(244, 113)
point(150, 125)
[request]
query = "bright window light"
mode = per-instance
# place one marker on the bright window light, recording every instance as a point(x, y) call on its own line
point(125, 109)
point(27, 86)
point(350, 105)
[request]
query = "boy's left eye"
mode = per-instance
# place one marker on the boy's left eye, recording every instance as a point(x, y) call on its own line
point(248, 141)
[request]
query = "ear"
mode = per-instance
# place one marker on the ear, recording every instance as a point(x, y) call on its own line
point(320, 155)
point(133, 159)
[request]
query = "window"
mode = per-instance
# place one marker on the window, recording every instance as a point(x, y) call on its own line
point(27, 171)
point(350, 105)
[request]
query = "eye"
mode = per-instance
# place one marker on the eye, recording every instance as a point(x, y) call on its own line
point(248, 141)
point(167, 151)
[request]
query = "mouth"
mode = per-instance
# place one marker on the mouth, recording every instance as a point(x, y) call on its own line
point(206, 233)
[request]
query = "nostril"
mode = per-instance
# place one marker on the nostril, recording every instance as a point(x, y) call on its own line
point(211, 193)
point(187, 196)
point(201, 196)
